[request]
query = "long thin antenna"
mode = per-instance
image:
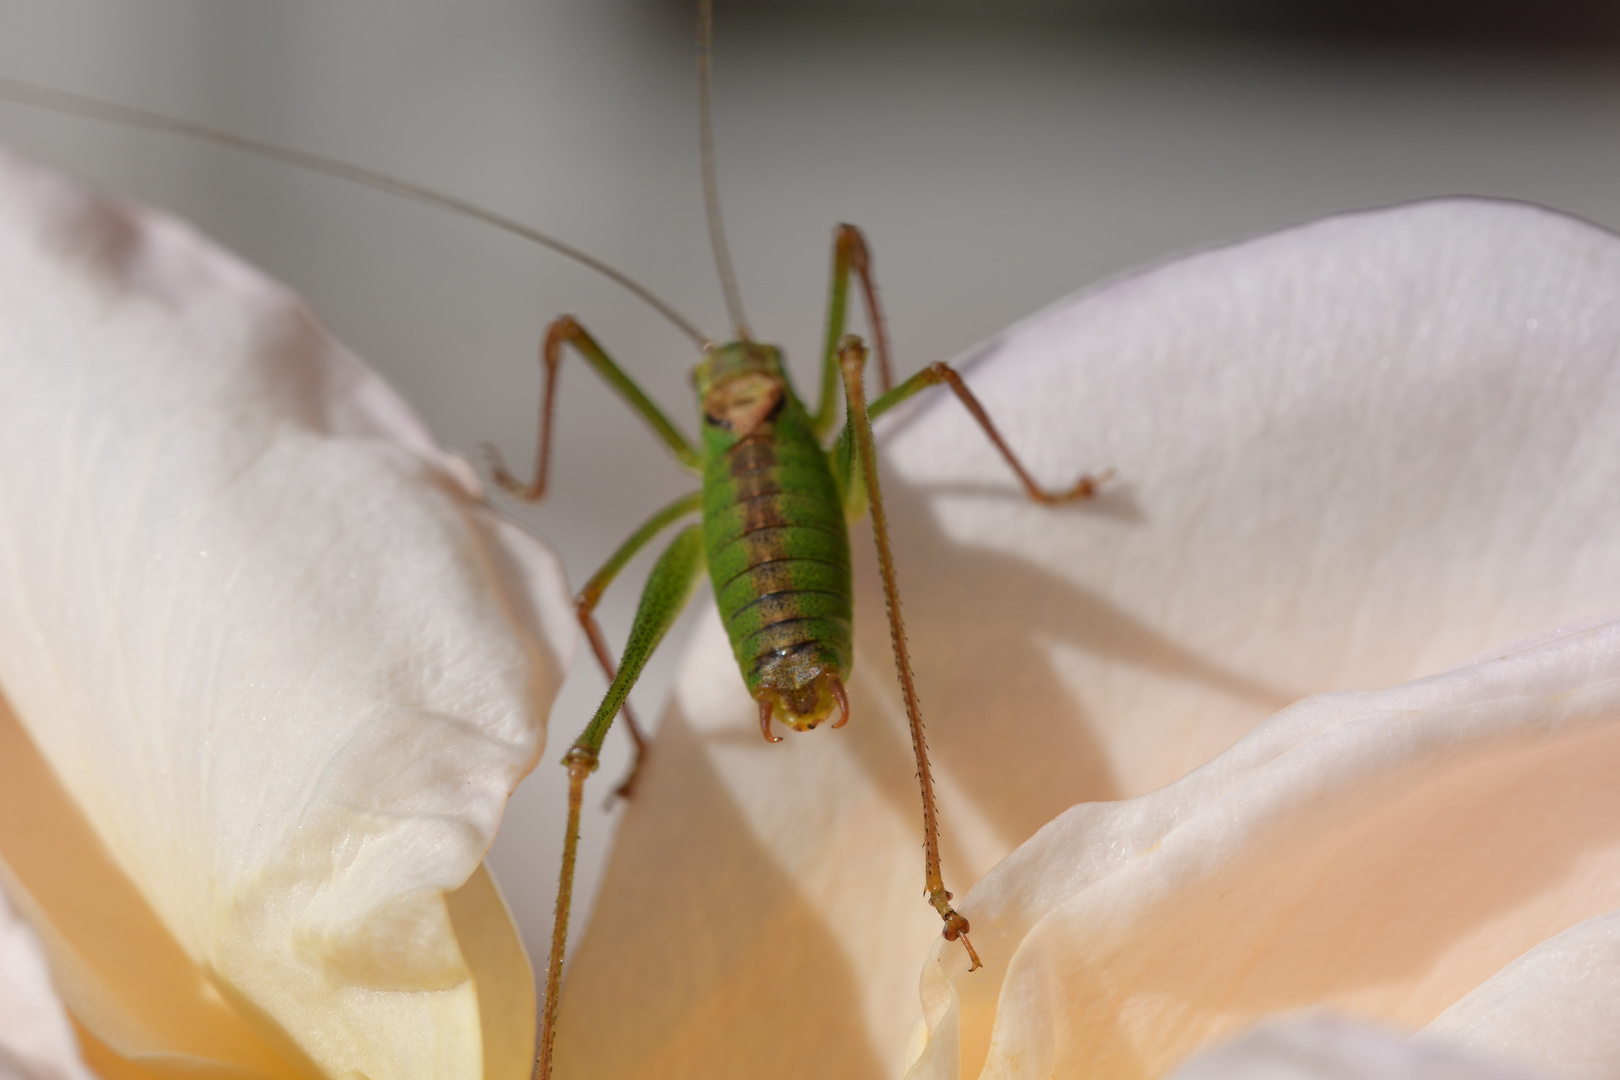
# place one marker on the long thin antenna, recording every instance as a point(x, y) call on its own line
point(63, 101)
point(711, 185)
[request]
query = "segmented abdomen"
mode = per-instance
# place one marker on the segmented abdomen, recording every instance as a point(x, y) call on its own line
point(778, 549)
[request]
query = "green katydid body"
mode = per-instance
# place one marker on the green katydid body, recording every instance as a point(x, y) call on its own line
point(776, 536)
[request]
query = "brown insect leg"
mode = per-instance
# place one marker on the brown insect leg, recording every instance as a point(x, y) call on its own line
point(852, 359)
point(850, 245)
point(580, 765)
point(1083, 488)
point(550, 359)
point(850, 256)
point(566, 330)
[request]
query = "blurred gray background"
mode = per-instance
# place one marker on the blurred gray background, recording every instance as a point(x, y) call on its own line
point(999, 155)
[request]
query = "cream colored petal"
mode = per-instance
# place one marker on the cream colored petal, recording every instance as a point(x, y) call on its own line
point(1556, 1008)
point(1332, 1048)
point(127, 981)
point(36, 1041)
point(275, 647)
point(1347, 455)
point(1378, 852)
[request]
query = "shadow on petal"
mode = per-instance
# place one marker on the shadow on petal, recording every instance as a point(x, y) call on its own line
point(719, 993)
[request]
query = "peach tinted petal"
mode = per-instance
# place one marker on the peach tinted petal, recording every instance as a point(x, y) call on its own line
point(274, 646)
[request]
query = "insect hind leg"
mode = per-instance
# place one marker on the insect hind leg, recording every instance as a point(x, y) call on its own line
point(852, 361)
point(666, 593)
point(850, 256)
point(585, 610)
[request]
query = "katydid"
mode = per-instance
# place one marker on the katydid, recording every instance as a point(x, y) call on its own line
point(774, 506)
point(777, 495)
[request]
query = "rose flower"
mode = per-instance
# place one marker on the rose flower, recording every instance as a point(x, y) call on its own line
point(1313, 708)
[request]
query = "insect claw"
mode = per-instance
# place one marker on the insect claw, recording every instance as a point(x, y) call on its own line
point(1087, 486)
point(765, 708)
point(843, 703)
point(956, 925)
point(504, 479)
point(973, 957)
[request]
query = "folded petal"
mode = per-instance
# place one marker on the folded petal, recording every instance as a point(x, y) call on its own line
point(1347, 455)
point(272, 644)
point(1325, 1047)
point(1557, 1007)
point(1381, 852)
point(36, 1041)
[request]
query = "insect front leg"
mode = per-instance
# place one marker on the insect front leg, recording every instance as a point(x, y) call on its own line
point(850, 253)
point(567, 331)
point(852, 361)
point(667, 590)
point(934, 375)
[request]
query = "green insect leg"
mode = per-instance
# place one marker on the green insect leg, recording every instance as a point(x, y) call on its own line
point(585, 608)
point(851, 360)
point(849, 254)
point(567, 331)
point(668, 589)
point(934, 375)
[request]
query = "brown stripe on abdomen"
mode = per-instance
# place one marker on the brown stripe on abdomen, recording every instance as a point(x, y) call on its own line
point(778, 549)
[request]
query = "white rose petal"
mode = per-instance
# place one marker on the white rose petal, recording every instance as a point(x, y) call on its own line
point(282, 661)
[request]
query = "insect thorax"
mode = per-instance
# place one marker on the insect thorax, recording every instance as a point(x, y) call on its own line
point(775, 534)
